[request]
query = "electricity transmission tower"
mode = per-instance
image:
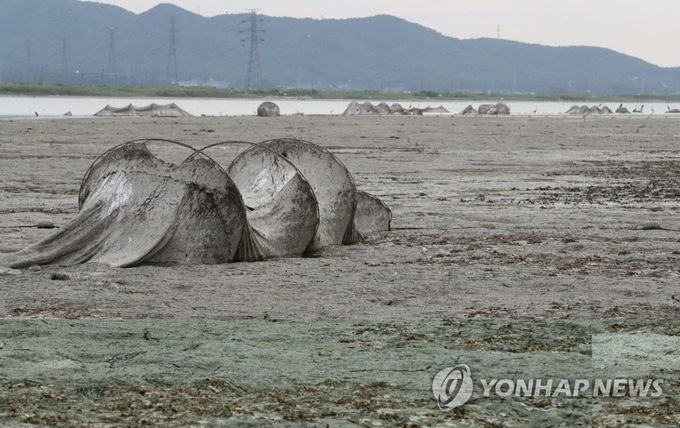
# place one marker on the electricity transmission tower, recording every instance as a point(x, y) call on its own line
point(112, 52)
point(254, 68)
point(172, 56)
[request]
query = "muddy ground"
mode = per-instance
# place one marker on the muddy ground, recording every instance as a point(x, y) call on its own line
point(524, 247)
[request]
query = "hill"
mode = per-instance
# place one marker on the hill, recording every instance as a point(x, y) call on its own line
point(75, 42)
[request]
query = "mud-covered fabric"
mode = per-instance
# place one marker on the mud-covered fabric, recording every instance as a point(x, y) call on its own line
point(281, 207)
point(136, 208)
point(332, 184)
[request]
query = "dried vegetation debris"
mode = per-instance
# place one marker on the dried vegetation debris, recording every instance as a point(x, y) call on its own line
point(551, 254)
point(623, 182)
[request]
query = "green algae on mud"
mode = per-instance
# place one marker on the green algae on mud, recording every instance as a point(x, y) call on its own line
point(179, 372)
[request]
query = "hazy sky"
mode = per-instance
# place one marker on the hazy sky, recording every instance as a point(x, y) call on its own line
point(645, 29)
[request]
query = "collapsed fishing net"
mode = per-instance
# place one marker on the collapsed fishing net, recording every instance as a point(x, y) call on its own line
point(279, 198)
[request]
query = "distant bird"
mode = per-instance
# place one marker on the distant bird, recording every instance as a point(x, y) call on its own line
point(36, 113)
point(536, 109)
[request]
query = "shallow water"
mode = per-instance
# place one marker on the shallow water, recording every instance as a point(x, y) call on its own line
point(19, 106)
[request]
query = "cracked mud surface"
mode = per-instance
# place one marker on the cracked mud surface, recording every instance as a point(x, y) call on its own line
point(523, 247)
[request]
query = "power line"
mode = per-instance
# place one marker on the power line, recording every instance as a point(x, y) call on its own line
point(64, 58)
point(112, 51)
point(29, 59)
point(172, 56)
point(254, 67)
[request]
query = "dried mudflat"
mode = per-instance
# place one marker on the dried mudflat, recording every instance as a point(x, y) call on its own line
point(524, 247)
